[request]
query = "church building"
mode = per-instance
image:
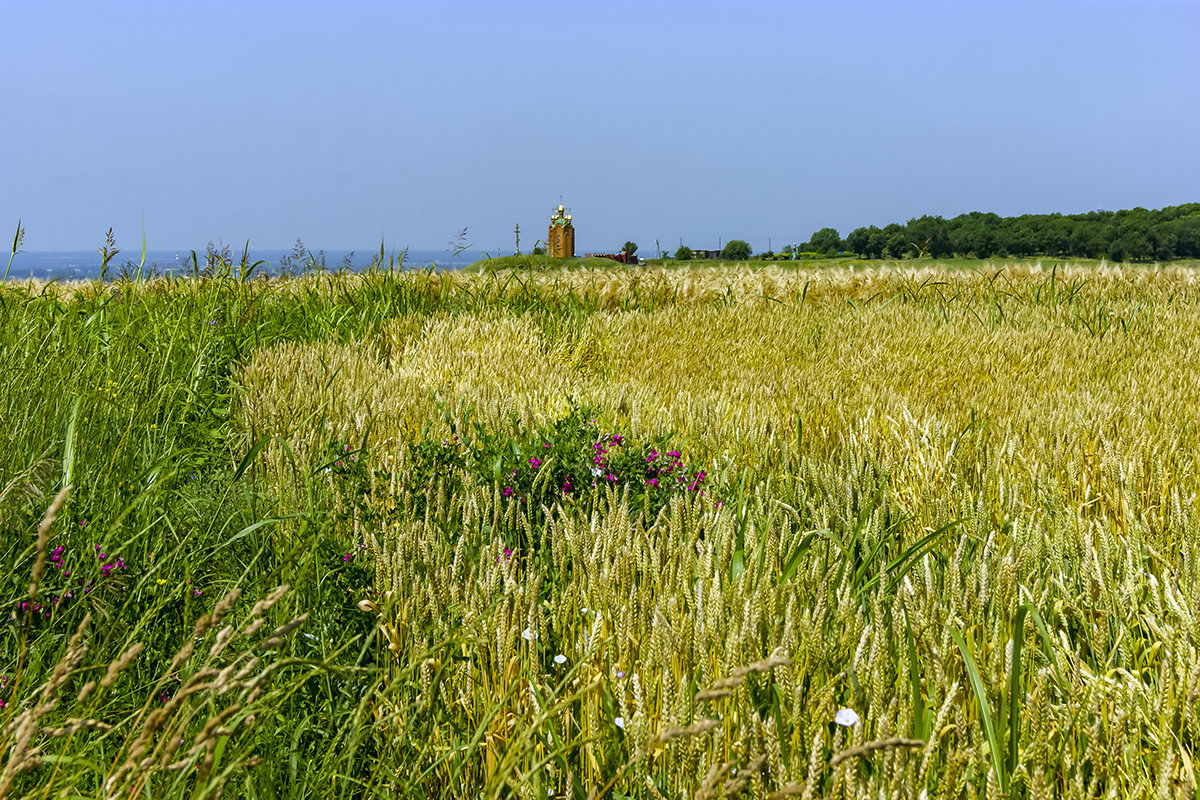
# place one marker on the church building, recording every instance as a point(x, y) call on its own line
point(560, 243)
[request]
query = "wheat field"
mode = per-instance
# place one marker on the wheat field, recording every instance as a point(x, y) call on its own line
point(918, 533)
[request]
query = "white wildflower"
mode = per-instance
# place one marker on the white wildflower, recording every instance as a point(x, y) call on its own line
point(847, 718)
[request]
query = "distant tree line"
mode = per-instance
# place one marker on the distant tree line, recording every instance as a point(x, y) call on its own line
point(1136, 234)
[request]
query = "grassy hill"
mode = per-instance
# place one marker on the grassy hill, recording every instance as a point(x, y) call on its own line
point(539, 263)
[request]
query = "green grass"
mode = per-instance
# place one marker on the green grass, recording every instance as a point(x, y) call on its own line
point(125, 393)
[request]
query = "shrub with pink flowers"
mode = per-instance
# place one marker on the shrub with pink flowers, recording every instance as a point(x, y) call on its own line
point(571, 460)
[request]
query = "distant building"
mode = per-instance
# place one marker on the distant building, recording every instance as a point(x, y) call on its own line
point(560, 242)
point(699, 254)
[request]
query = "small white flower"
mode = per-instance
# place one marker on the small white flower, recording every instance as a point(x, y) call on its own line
point(847, 718)
point(619, 722)
point(584, 610)
point(528, 635)
point(560, 659)
point(597, 472)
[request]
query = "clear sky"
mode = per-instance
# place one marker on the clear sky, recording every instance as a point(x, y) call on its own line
point(348, 122)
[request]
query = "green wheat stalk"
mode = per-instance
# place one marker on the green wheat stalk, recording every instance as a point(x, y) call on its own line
point(18, 240)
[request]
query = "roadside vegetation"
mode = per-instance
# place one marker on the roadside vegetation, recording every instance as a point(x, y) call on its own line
point(822, 531)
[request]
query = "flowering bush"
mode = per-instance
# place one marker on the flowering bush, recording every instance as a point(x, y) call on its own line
point(566, 461)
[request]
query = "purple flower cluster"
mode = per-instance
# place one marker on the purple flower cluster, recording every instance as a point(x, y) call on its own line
point(668, 467)
point(662, 470)
point(106, 566)
point(37, 609)
point(57, 560)
point(601, 451)
point(342, 458)
point(353, 552)
point(534, 463)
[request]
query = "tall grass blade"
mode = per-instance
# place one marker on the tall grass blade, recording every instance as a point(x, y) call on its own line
point(995, 747)
point(920, 715)
point(68, 469)
point(1014, 689)
point(142, 262)
point(251, 528)
point(18, 238)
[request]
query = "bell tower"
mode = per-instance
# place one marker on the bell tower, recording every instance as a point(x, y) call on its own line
point(560, 242)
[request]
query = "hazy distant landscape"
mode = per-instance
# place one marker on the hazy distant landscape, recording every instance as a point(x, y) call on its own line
point(1134, 235)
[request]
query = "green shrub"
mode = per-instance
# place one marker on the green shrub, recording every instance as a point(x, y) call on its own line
point(566, 462)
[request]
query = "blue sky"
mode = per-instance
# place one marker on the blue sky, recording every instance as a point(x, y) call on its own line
point(350, 122)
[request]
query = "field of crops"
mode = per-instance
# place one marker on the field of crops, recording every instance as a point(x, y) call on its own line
point(653, 533)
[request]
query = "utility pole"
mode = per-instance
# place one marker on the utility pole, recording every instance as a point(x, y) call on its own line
point(517, 231)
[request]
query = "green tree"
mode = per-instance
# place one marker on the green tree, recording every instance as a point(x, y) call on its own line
point(867, 242)
point(930, 236)
point(629, 249)
point(1187, 236)
point(1132, 245)
point(684, 253)
point(974, 233)
point(826, 241)
point(895, 240)
point(736, 250)
point(1088, 239)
